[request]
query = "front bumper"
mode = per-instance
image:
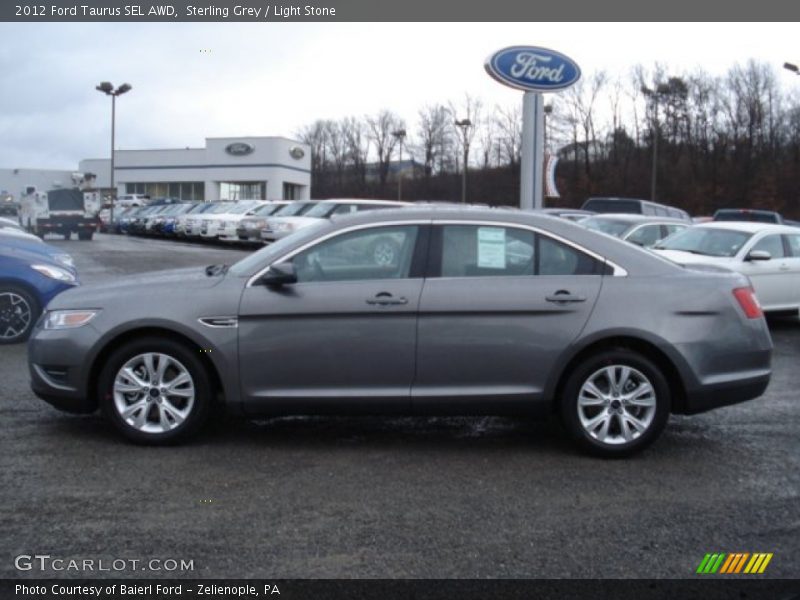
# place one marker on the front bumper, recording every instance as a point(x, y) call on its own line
point(58, 362)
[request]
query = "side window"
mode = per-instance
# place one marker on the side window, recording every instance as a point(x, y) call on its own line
point(794, 244)
point(647, 235)
point(487, 251)
point(670, 229)
point(472, 250)
point(772, 244)
point(344, 209)
point(376, 253)
point(556, 258)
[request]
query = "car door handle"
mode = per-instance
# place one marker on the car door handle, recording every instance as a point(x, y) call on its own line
point(563, 296)
point(784, 267)
point(386, 300)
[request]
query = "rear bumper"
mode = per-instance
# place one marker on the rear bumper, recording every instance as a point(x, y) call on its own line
point(725, 393)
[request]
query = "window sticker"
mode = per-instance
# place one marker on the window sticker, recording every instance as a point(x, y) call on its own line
point(491, 247)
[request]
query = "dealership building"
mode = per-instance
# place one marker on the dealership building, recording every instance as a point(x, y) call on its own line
point(230, 168)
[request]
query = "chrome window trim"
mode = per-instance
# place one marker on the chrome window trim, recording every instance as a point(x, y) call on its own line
point(617, 270)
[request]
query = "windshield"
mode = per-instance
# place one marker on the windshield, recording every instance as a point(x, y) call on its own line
point(266, 255)
point(294, 209)
point(321, 210)
point(268, 209)
point(241, 207)
point(610, 226)
point(707, 241)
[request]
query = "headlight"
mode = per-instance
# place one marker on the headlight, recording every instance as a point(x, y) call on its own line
point(284, 227)
point(65, 259)
point(68, 319)
point(54, 272)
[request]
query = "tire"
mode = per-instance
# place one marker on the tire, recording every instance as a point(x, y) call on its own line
point(162, 418)
point(19, 311)
point(68, 235)
point(84, 236)
point(599, 418)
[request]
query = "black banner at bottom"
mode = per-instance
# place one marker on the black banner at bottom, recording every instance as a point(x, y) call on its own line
point(460, 589)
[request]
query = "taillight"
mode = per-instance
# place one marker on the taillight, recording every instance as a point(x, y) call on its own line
point(746, 297)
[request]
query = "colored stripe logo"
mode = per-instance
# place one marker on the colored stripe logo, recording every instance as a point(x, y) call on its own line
point(734, 563)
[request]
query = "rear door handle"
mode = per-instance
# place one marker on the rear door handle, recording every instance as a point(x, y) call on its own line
point(385, 299)
point(562, 296)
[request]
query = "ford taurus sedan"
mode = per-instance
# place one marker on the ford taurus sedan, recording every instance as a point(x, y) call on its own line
point(477, 312)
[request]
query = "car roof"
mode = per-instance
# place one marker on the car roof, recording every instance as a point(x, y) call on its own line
point(363, 201)
point(634, 218)
point(748, 226)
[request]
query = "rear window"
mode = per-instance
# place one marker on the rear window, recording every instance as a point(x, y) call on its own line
point(613, 227)
point(607, 205)
point(746, 215)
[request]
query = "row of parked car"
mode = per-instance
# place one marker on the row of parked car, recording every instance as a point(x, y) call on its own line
point(244, 221)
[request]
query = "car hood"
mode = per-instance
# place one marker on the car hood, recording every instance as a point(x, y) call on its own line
point(296, 221)
point(149, 286)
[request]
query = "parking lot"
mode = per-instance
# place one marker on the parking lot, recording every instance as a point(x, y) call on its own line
point(394, 497)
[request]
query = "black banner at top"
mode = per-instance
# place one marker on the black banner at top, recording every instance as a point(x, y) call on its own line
point(408, 10)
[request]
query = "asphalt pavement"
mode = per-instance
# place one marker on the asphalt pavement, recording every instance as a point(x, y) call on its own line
point(392, 497)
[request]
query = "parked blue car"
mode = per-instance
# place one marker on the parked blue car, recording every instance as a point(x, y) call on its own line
point(30, 276)
point(36, 246)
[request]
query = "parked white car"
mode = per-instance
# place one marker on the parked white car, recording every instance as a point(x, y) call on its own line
point(641, 230)
point(280, 226)
point(222, 224)
point(768, 254)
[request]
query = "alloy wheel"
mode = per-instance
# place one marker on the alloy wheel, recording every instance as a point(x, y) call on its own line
point(153, 392)
point(15, 315)
point(616, 404)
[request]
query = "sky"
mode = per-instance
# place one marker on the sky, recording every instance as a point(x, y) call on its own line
point(192, 81)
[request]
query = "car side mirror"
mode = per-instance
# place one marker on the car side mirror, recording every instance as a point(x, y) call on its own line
point(279, 274)
point(758, 255)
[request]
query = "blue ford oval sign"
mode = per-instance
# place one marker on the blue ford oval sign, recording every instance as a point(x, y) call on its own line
point(532, 69)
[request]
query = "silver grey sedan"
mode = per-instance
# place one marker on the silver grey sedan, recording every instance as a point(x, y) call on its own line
point(423, 311)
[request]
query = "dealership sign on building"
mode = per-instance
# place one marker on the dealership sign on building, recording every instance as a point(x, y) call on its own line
point(535, 71)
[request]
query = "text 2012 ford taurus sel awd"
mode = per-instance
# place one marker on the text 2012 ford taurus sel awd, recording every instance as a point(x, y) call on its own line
point(424, 311)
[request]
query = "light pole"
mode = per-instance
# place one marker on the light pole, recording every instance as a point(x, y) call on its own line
point(464, 125)
point(108, 89)
point(400, 134)
point(653, 96)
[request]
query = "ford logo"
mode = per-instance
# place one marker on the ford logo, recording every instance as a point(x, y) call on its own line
point(239, 149)
point(296, 152)
point(532, 69)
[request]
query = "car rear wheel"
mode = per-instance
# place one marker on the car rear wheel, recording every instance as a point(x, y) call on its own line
point(18, 313)
point(155, 391)
point(615, 403)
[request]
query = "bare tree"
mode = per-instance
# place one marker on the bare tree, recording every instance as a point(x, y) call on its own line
point(381, 127)
point(509, 125)
point(434, 135)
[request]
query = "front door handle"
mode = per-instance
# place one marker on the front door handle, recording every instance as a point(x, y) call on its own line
point(563, 296)
point(386, 299)
point(784, 267)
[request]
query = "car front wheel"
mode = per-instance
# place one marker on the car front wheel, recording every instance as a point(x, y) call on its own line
point(18, 313)
point(615, 403)
point(155, 391)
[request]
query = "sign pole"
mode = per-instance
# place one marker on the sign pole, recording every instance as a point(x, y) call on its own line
point(532, 159)
point(534, 70)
